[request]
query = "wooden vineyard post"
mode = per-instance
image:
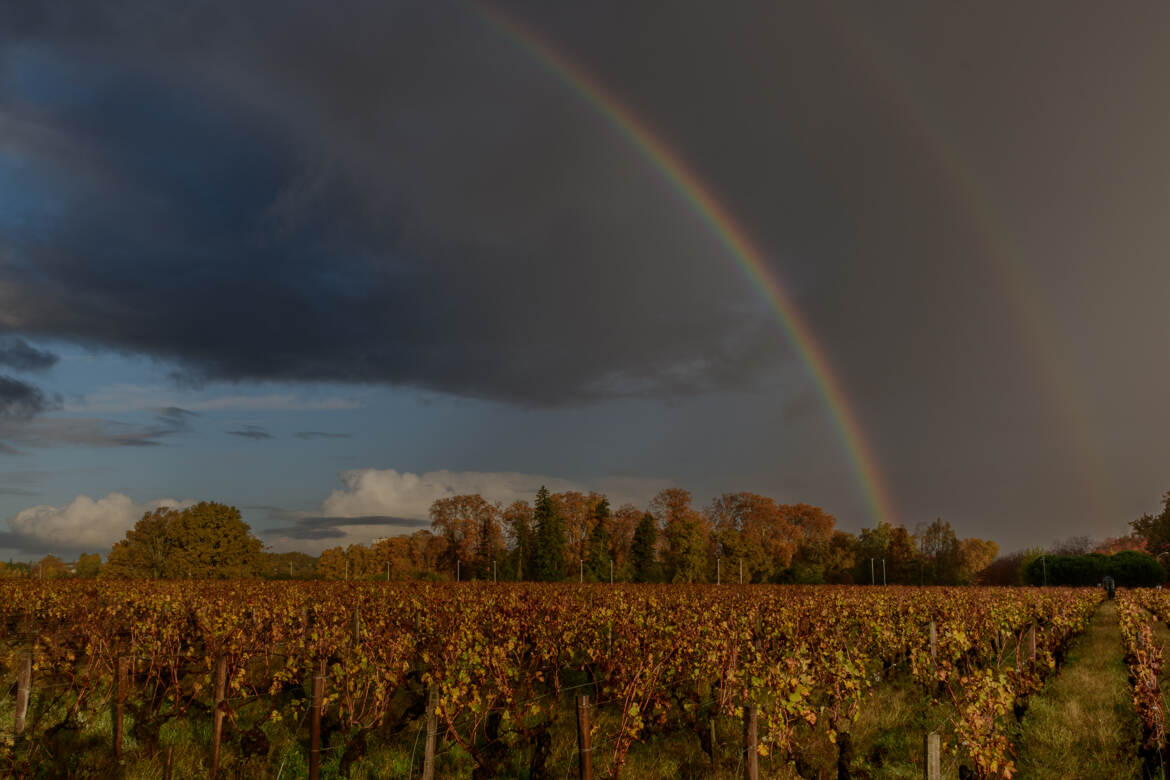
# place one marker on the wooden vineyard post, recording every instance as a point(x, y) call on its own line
point(357, 626)
point(933, 646)
point(751, 725)
point(432, 732)
point(315, 729)
point(932, 755)
point(1032, 641)
point(169, 763)
point(23, 684)
point(121, 684)
point(584, 743)
point(714, 742)
point(217, 713)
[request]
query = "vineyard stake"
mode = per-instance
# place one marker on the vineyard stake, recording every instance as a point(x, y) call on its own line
point(121, 683)
point(933, 645)
point(357, 625)
point(714, 743)
point(217, 715)
point(751, 722)
point(1032, 641)
point(432, 732)
point(169, 763)
point(584, 746)
point(741, 571)
point(933, 760)
point(23, 683)
point(315, 727)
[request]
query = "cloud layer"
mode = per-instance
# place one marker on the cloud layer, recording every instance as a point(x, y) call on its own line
point(18, 354)
point(83, 525)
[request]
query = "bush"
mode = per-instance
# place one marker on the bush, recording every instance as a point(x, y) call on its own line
point(1129, 569)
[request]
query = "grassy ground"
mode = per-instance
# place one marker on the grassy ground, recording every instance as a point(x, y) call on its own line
point(1082, 724)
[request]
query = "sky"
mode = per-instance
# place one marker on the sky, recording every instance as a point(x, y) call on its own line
point(902, 261)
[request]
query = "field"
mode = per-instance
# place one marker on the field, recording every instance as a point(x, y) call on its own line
point(844, 681)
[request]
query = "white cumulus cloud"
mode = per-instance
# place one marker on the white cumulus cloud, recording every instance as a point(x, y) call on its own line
point(83, 524)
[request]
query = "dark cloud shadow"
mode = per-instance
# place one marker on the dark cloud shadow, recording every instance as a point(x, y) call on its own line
point(314, 528)
point(17, 354)
point(254, 432)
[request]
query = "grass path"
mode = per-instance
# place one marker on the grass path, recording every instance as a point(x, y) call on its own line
point(1082, 724)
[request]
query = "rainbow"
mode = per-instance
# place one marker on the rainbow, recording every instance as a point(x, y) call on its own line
point(863, 51)
point(730, 233)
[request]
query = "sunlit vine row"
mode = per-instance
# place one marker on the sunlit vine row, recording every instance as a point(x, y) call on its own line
point(658, 658)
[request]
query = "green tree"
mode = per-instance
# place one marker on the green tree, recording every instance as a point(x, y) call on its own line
point(50, 567)
point(208, 540)
point(644, 550)
point(548, 560)
point(1154, 530)
point(147, 548)
point(517, 522)
point(597, 560)
point(685, 532)
point(941, 554)
point(89, 565)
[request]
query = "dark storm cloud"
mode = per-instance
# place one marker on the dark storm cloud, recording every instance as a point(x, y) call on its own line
point(314, 528)
point(22, 401)
point(255, 432)
point(16, 353)
point(321, 435)
point(421, 206)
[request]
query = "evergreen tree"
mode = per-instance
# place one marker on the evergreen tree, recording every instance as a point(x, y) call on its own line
point(548, 559)
point(643, 552)
point(597, 560)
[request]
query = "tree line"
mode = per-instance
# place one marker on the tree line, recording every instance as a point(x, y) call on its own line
point(572, 535)
point(738, 537)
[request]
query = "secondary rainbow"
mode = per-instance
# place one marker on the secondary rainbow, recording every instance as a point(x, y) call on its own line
point(730, 233)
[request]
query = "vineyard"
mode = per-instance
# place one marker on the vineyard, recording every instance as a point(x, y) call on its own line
point(248, 679)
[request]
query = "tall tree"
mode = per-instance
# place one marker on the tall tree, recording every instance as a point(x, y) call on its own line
point(939, 548)
point(644, 550)
point(621, 538)
point(597, 554)
point(751, 529)
point(548, 563)
point(517, 520)
point(214, 541)
point(89, 565)
point(471, 527)
point(576, 511)
point(975, 555)
point(685, 533)
point(50, 567)
point(1154, 530)
point(205, 540)
point(147, 548)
